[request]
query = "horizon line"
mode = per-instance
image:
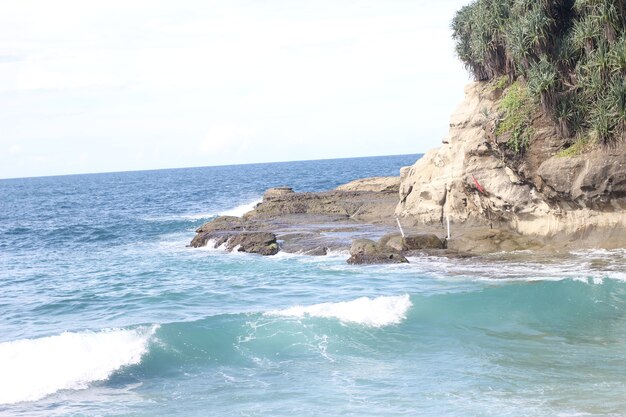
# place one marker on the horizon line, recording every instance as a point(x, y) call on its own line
point(205, 166)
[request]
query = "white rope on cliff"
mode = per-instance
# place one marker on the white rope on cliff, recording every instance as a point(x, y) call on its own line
point(400, 226)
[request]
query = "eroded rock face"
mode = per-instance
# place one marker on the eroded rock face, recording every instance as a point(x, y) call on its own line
point(469, 180)
point(592, 180)
point(366, 251)
point(448, 180)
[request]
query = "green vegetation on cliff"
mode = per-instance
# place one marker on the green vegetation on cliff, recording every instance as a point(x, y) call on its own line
point(569, 56)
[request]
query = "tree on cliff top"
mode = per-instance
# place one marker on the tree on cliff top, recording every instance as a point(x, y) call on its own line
point(571, 55)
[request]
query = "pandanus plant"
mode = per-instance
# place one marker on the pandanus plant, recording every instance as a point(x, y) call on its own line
point(570, 53)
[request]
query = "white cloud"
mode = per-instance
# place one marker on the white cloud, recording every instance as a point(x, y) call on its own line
point(319, 79)
point(225, 139)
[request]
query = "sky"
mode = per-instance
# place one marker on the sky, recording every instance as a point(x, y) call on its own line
point(99, 86)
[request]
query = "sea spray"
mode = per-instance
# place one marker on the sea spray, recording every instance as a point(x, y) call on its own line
point(241, 209)
point(373, 312)
point(34, 368)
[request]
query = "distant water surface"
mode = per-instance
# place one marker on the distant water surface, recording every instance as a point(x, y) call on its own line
point(106, 312)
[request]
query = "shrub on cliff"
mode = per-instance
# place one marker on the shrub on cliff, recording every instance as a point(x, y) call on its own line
point(571, 54)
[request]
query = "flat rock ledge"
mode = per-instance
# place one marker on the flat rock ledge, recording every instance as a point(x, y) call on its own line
point(358, 217)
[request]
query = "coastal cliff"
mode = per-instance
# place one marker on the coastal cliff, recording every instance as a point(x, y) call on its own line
point(547, 197)
point(476, 181)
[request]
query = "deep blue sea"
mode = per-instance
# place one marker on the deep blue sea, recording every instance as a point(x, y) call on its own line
point(106, 312)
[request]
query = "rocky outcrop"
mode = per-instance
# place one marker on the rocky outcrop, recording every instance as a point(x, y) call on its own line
point(307, 223)
point(231, 233)
point(472, 180)
point(216, 229)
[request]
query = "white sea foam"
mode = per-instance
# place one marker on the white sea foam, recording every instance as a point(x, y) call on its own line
point(374, 312)
point(241, 209)
point(34, 368)
point(331, 256)
point(198, 216)
point(238, 211)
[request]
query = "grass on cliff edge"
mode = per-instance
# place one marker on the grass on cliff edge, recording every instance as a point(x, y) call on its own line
point(582, 145)
point(516, 108)
point(570, 53)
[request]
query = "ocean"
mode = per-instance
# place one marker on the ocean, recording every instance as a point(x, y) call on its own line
point(106, 312)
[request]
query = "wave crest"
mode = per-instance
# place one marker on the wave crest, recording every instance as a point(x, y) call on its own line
point(35, 368)
point(373, 312)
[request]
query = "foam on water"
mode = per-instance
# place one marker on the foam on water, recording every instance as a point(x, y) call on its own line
point(198, 216)
point(331, 256)
point(35, 368)
point(237, 211)
point(373, 312)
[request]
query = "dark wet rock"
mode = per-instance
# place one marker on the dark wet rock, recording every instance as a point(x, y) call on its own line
point(414, 242)
point(391, 241)
point(209, 230)
point(263, 243)
point(422, 241)
point(366, 251)
point(377, 258)
point(317, 251)
point(221, 223)
point(363, 246)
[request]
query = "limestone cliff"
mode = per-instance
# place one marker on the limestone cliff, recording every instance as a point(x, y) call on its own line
point(475, 180)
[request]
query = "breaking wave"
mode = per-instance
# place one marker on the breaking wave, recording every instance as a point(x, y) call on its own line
point(241, 209)
point(373, 312)
point(35, 368)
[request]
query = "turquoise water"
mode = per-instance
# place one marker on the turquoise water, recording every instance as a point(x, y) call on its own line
point(106, 312)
